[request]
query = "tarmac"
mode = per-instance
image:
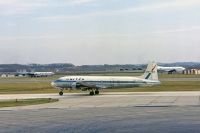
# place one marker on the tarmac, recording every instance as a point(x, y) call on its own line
point(108, 112)
point(112, 99)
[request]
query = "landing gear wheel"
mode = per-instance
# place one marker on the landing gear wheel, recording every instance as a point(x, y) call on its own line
point(96, 92)
point(91, 93)
point(60, 93)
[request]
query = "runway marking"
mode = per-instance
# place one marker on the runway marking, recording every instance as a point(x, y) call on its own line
point(152, 101)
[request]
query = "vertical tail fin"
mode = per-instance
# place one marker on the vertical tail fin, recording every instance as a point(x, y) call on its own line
point(151, 72)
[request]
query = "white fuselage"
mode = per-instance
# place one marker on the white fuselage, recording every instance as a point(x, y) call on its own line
point(168, 69)
point(43, 73)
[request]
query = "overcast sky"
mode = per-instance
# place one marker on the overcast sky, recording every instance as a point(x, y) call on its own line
point(99, 31)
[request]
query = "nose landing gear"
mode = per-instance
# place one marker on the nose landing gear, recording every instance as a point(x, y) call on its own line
point(60, 93)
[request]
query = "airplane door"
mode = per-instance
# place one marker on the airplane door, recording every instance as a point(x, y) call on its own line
point(101, 83)
point(112, 83)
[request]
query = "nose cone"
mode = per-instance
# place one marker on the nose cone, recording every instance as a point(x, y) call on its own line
point(53, 84)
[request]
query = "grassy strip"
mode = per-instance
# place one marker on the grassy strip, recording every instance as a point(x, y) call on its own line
point(25, 102)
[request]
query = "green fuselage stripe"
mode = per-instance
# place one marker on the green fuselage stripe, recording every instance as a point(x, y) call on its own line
point(147, 77)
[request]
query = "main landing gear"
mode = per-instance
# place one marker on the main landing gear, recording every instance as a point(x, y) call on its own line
point(91, 93)
point(96, 92)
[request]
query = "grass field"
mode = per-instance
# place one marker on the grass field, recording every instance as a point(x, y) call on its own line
point(42, 85)
point(25, 102)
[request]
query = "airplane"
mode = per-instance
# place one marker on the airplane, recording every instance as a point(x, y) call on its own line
point(35, 74)
point(170, 70)
point(95, 83)
point(40, 74)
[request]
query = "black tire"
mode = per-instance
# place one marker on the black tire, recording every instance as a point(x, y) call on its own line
point(60, 93)
point(91, 93)
point(96, 92)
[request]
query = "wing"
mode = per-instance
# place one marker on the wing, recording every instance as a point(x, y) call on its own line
point(88, 85)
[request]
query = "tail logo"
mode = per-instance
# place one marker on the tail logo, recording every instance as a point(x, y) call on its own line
point(150, 72)
point(153, 68)
point(148, 76)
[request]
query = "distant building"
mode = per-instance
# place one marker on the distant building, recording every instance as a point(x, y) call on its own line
point(7, 75)
point(192, 71)
point(4, 75)
point(21, 71)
